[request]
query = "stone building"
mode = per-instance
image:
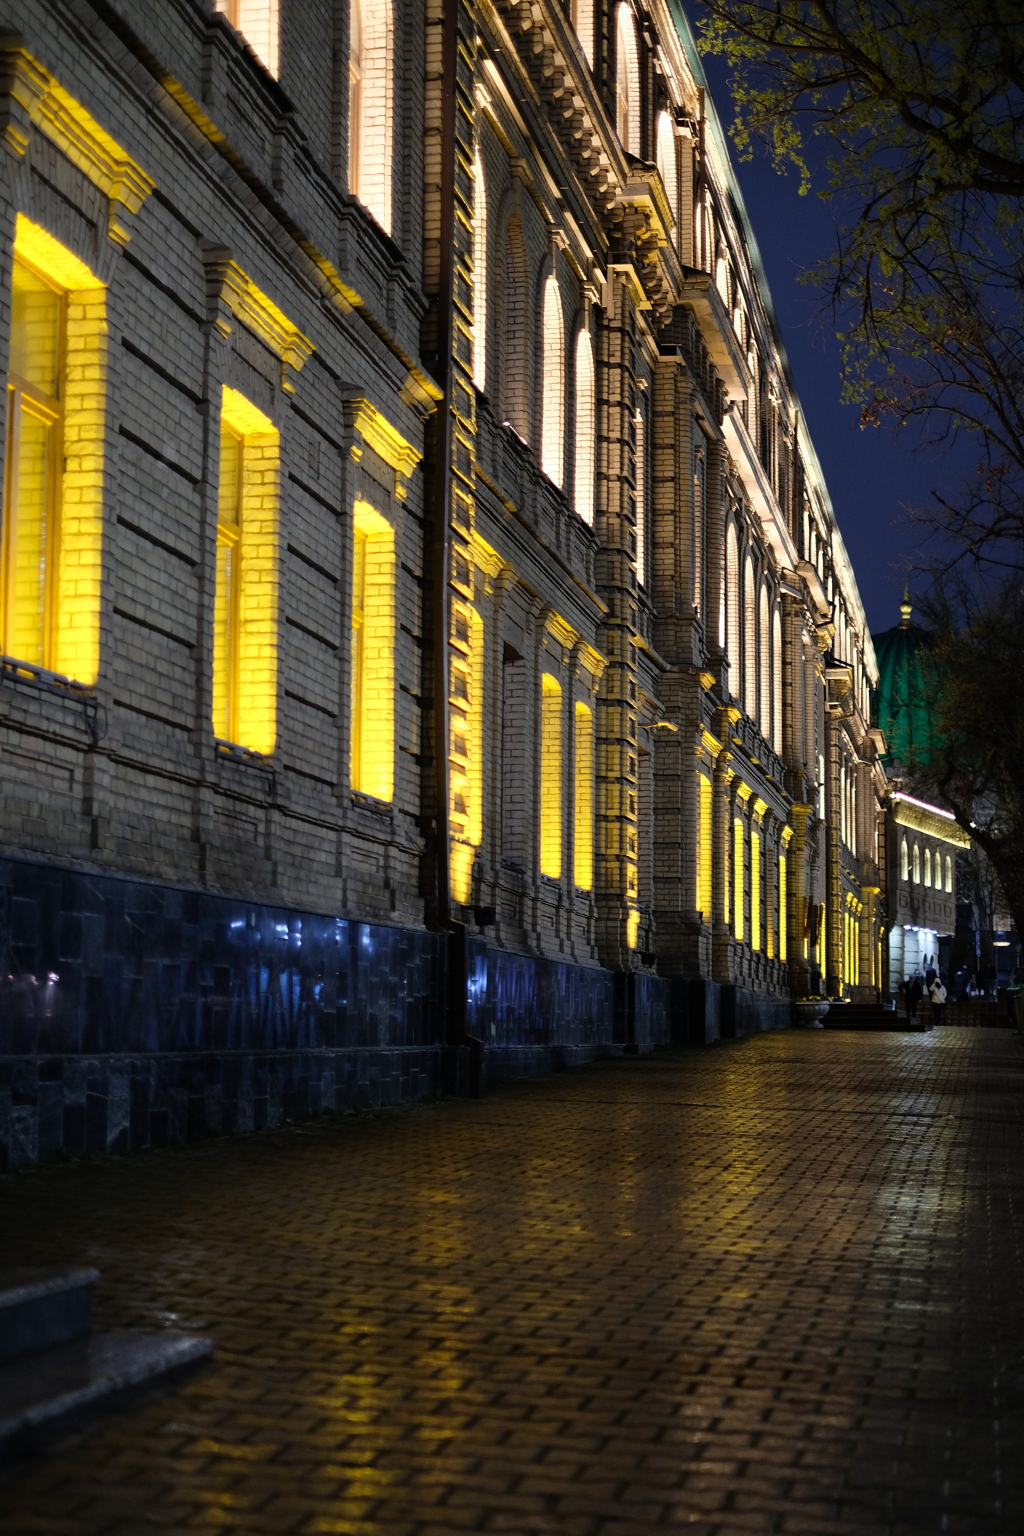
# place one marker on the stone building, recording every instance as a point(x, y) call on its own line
point(922, 840)
point(428, 647)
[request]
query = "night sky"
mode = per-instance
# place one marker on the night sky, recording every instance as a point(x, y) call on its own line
point(872, 477)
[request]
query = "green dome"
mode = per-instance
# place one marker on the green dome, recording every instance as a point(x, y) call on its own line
point(903, 692)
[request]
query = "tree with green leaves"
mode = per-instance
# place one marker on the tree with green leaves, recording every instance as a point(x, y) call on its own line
point(920, 104)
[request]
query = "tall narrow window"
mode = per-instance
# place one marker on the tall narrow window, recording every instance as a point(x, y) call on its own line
point(917, 865)
point(371, 106)
point(666, 161)
point(31, 526)
point(465, 703)
point(755, 890)
point(927, 866)
point(516, 779)
point(550, 777)
point(641, 499)
point(732, 595)
point(749, 640)
point(738, 863)
point(512, 335)
point(705, 853)
point(479, 274)
point(699, 516)
point(583, 829)
point(627, 81)
point(585, 427)
point(583, 25)
point(245, 596)
point(783, 929)
point(259, 23)
point(904, 860)
point(764, 646)
point(372, 740)
point(949, 873)
point(776, 737)
point(355, 92)
point(50, 566)
point(553, 393)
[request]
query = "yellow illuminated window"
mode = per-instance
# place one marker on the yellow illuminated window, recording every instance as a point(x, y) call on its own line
point(245, 596)
point(50, 566)
point(949, 873)
point(550, 777)
point(755, 890)
point(917, 864)
point(738, 916)
point(465, 698)
point(259, 24)
point(904, 860)
point(704, 848)
point(373, 664)
point(927, 866)
point(782, 906)
point(583, 838)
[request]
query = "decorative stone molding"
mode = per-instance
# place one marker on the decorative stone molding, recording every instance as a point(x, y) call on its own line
point(33, 96)
point(378, 433)
point(230, 289)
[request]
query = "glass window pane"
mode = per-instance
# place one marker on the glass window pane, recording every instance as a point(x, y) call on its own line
point(28, 550)
point(35, 329)
point(224, 638)
point(229, 496)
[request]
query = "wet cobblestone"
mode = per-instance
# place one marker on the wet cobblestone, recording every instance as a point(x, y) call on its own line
point(774, 1286)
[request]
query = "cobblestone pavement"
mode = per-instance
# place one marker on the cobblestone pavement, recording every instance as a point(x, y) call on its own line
point(773, 1286)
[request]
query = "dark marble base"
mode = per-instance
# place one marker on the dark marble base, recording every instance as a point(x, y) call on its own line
point(134, 1014)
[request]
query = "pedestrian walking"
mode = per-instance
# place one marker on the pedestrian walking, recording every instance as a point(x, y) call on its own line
point(912, 994)
point(937, 993)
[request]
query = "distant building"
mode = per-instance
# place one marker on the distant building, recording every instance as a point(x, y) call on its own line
point(428, 646)
point(922, 839)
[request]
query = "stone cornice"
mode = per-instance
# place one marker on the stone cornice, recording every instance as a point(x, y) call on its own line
point(35, 95)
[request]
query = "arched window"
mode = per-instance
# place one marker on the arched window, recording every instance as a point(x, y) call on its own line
point(513, 377)
point(627, 81)
point(553, 389)
point(583, 25)
point(260, 25)
point(917, 865)
point(666, 158)
point(904, 860)
point(371, 106)
point(749, 641)
point(949, 873)
point(927, 866)
point(722, 279)
point(732, 608)
point(764, 647)
point(777, 682)
point(479, 274)
point(585, 427)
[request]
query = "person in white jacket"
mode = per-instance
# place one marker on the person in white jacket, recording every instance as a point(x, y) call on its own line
point(937, 993)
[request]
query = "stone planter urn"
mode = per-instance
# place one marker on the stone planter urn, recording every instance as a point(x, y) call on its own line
point(808, 1012)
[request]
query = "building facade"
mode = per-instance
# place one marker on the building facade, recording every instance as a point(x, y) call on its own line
point(428, 648)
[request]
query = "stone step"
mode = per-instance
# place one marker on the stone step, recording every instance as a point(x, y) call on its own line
point(872, 1017)
point(45, 1394)
point(41, 1308)
point(54, 1372)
